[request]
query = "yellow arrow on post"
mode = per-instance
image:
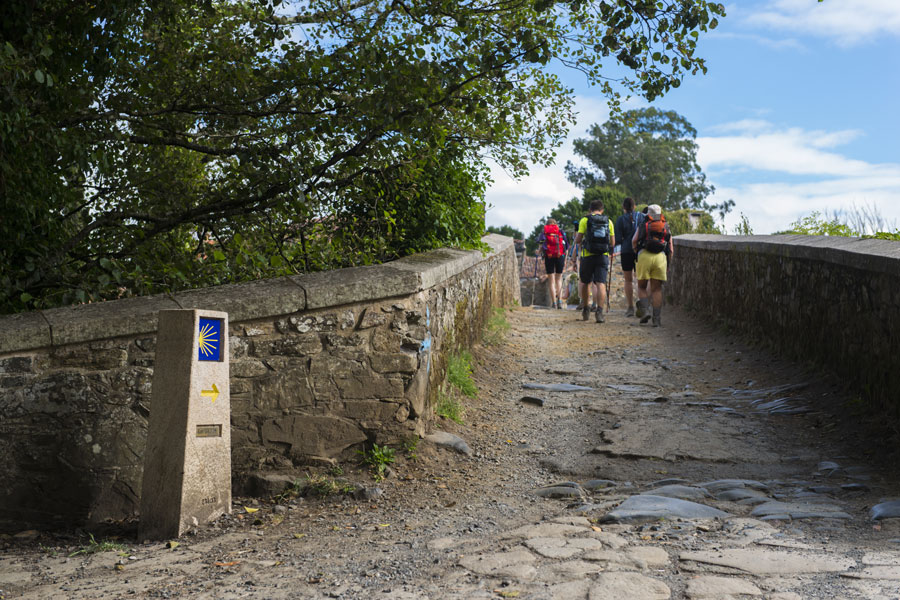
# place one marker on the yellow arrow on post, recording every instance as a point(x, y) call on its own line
point(213, 393)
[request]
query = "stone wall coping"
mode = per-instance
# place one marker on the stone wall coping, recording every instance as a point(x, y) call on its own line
point(242, 301)
point(881, 256)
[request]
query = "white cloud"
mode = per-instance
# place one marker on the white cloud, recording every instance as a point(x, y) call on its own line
point(832, 181)
point(846, 21)
point(793, 151)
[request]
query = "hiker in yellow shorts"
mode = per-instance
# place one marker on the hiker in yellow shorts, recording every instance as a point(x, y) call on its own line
point(654, 243)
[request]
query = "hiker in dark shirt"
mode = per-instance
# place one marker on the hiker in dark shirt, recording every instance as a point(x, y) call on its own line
point(626, 225)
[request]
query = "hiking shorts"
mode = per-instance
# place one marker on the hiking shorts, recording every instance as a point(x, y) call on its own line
point(651, 266)
point(594, 268)
point(627, 261)
point(555, 264)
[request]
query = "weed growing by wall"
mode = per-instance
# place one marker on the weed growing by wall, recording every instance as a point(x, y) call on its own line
point(496, 328)
point(459, 373)
point(448, 406)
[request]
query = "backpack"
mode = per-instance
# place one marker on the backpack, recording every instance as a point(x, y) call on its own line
point(655, 237)
point(629, 225)
point(597, 239)
point(553, 246)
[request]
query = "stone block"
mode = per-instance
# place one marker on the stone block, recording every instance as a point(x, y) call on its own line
point(105, 320)
point(398, 362)
point(261, 299)
point(358, 284)
point(417, 393)
point(372, 318)
point(248, 368)
point(95, 359)
point(24, 331)
point(387, 341)
point(17, 365)
point(313, 323)
point(298, 345)
point(313, 435)
point(367, 410)
point(283, 389)
point(368, 386)
point(265, 484)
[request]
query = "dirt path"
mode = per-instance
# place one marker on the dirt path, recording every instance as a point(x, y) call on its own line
point(749, 488)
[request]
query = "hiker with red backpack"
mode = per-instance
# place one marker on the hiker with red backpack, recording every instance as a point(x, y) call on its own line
point(655, 249)
point(553, 245)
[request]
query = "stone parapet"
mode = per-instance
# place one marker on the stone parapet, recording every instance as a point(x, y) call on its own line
point(320, 364)
point(832, 301)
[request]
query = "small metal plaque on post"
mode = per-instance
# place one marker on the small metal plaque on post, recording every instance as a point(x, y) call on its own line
point(209, 431)
point(187, 463)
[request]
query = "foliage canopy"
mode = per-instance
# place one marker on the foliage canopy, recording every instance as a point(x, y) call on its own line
point(148, 147)
point(649, 153)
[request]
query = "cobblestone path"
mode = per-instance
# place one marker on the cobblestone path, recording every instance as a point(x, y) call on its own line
point(603, 461)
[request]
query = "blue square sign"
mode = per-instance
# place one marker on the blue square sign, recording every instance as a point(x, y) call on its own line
point(210, 339)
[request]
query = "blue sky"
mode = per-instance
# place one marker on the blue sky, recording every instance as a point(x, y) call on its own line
point(799, 112)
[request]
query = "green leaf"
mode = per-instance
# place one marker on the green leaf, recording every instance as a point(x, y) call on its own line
point(39, 76)
point(218, 255)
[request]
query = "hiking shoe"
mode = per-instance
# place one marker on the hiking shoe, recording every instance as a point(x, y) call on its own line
point(656, 322)
point(629, 312)
point(585, 312)
point(646, 318)
point(641, 310)
point(559, 305)
point(657, 317)
point(599, 315)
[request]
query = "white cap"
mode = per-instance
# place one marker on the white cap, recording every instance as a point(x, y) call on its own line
point(654, 211)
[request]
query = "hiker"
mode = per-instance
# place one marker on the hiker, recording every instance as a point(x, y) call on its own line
point(553, 244)
point(626, 225)
point(596, 237)
point(653, 242)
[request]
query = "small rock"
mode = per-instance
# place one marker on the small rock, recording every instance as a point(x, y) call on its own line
point(598, 484)
point(368, 493)
point(885, 510)
point(450, 441)
point(644, 508)
point(556, 387)
point(28, 534)
point(532, 400)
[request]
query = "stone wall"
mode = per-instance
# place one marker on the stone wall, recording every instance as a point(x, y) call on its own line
point(827, 300)
point(320, 364)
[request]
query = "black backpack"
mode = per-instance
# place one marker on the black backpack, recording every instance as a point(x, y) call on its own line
point(597, 239)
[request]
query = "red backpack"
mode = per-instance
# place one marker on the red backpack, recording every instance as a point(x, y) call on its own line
point(553, 246)
point(656, 235)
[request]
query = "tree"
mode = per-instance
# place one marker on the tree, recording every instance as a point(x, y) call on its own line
point(153, 146)
point(651, 154)
point(507, 230)
point(569, 214)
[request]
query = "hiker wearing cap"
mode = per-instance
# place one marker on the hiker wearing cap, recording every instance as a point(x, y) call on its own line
point(627, 225)
point(553, 244)
point(595, 237)
point(654, 244)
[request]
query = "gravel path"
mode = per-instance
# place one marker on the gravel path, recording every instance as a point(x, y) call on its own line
point(691, 467)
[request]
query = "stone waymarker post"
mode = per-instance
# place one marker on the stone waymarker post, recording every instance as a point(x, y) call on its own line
point(187, 463)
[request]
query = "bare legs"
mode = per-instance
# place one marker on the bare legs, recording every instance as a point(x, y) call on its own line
point(629, 287)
